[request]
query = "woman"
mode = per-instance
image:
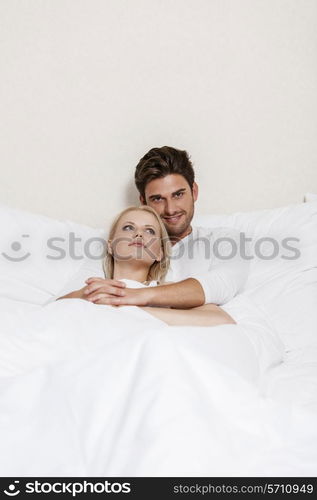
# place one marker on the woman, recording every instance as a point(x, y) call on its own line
point(138, 252)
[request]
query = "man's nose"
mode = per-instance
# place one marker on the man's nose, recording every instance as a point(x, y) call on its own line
point(170, 207)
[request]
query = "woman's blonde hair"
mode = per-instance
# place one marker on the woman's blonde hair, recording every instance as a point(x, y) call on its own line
point(158, 269)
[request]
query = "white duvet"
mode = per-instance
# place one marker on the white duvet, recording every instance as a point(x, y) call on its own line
point(89, 390)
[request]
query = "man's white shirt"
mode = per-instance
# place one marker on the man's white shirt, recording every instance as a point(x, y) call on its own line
point(214, 258)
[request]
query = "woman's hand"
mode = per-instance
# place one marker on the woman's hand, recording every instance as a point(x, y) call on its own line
point(107, 287)
point(104, 288)
point(115, 293)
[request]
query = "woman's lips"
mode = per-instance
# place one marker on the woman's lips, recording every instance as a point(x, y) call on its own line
point(136, 244)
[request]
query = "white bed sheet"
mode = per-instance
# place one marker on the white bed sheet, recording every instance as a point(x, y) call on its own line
point(95, 390)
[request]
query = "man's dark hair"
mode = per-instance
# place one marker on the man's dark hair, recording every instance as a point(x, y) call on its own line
point(160, 162)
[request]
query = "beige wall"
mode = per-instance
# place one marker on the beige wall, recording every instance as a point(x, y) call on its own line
point(88, 86)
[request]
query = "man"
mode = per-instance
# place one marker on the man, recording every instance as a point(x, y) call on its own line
point(206, 265)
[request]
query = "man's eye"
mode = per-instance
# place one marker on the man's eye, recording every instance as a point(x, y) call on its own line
point(127, 226)
point(157, 199)
point(179, 195)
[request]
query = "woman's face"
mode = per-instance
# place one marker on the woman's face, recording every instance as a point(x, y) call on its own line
point(137, 237)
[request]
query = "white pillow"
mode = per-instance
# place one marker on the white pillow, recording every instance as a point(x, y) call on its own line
point(310, 197)
point(272, 233)
point(39, 255)
point(88, 269)
point(290, 303)
point(286, 290)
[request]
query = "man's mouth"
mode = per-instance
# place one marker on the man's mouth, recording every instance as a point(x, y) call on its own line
point(172, 219)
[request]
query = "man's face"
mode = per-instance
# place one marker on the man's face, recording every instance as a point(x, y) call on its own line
point(173, 200)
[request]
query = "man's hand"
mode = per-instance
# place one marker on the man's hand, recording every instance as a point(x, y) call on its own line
point(108, 292)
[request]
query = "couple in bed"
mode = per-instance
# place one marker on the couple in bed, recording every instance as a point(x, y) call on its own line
point(156, 260)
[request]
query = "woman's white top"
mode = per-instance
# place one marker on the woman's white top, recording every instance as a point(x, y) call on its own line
point(137, 284)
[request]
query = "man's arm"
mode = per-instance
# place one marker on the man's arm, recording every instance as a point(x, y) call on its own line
point(229, 269)
point(222, 283)
point(182, 295)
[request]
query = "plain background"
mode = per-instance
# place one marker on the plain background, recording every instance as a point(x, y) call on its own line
point(87, 87)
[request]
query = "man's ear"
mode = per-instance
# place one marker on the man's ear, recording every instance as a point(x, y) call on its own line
point(195, 191)
point(142, 200)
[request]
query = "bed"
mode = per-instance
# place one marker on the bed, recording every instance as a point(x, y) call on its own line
point(88, 390)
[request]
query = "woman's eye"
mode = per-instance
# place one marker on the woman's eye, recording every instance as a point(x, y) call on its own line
point(150, 230)
point(127, 226)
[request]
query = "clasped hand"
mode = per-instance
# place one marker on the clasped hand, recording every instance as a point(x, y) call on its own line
point(112, 292)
